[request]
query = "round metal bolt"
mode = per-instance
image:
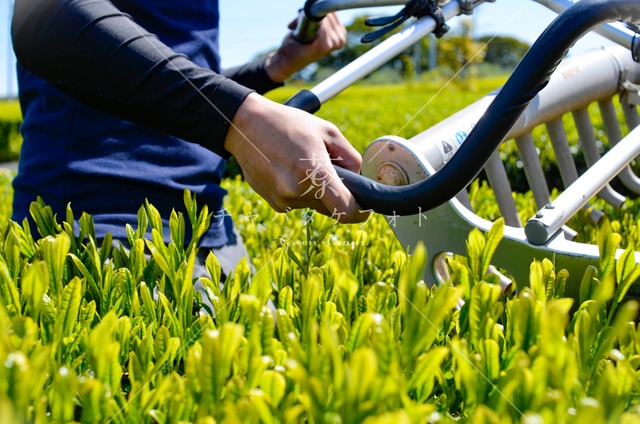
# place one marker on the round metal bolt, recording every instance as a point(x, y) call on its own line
point(390, 173)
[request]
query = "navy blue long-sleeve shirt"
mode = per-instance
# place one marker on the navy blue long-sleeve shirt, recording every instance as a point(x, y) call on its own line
point(124, 101)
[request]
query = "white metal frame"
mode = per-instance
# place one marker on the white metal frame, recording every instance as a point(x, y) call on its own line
point(446, 228)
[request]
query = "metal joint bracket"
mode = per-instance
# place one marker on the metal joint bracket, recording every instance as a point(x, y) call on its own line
point(435, 12)
point(544, 225)
point(631, 93)
point(414, 8)
point(467, 6)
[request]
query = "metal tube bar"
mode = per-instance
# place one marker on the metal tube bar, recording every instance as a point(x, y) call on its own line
point(499, 181)
point(591, 154)
point(553, 216)
point(463, 198)
point(630, 112)
point(532, 169)
point(612, 128)
point(324, 7)
point(380, 55)
point(535, 175)
point(613, 32)
point(564, 158)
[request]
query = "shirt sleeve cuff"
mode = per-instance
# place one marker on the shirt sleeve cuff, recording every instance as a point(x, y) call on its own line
point(253, 75)
point(225, 101)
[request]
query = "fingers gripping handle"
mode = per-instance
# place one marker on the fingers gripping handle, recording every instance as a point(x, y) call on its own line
point(308, 25)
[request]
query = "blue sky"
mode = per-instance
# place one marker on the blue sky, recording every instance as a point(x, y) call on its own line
point(250, 27)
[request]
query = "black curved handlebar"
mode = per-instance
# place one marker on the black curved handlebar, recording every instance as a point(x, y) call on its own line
point(530, 77)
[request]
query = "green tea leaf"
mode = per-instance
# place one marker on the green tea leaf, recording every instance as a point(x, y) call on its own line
point(492, 240)
point(490, 353)
point(44, 218)
point(483, 297)
point(67, 311)
point(147, 303)
point(267, 328)
point(218, 350)
point(537, 281)
point(285, 300)
point(475, 248)
point(378, 297)
point(170, 315)
point(411, 274)
point(55, 250)
point(589, 284)
point(311, 292)
point(292, 255)
point(359, 334)
point(608, 243)
point(627, 273)
point(364, 369)
point(213, 267)
point(154, 217)
point(427, 368)
point(143, 224)
point(273, 384)
point(160, 254)
point(286, 329)
point(260, 286)
point(161, 341)
point(35, 283)
point(87, 227)
point(190, 205)
point(177, 230)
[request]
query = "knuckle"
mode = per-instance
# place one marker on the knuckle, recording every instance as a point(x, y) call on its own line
point(332, 130)
point(357, 161)
point(289, 190)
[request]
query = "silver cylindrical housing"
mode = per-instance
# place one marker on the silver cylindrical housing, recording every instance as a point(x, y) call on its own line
point(575, 84)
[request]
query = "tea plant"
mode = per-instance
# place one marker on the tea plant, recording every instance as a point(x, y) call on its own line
point(10, 138)
point(328, 323)
point(338, 329)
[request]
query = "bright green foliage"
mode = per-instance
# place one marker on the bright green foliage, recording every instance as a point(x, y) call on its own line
point(328, 323)
point(332, 324)
point(10, 137)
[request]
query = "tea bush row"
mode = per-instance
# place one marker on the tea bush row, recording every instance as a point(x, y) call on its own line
point(334, 325)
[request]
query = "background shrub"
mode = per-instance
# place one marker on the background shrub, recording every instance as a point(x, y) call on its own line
point(10, 138)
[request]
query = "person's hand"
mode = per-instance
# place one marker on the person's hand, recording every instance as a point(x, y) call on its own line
point(293, 56)
point(286, 155)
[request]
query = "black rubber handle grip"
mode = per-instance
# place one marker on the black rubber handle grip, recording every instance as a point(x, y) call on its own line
point(308, 25)
point(304, 100)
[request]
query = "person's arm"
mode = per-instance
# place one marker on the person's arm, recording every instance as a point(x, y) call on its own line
point(253, 75)
point(94, 52)
point(269, 72)
point(100, 56)
point(287, 155)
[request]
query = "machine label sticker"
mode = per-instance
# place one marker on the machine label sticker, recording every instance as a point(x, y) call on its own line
point(450, 143)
